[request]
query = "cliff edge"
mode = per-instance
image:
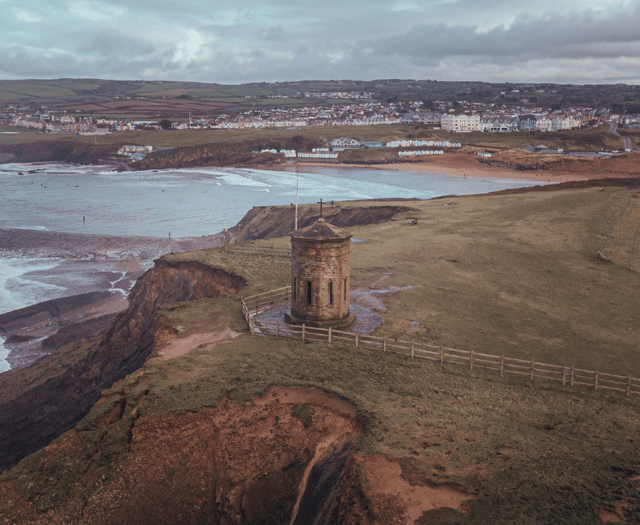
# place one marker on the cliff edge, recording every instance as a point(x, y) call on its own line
point(41, 402)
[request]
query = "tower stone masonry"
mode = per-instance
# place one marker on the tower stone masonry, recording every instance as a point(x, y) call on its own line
point(320, 276)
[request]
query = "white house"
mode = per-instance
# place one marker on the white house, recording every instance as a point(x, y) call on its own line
point(344, 143)
point(460, 123)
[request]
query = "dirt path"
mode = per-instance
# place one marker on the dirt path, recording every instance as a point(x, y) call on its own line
point(178, 347)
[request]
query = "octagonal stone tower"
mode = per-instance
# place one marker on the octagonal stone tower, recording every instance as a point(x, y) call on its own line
point(320, 276)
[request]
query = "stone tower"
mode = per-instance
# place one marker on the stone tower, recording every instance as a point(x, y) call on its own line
point(320, 276)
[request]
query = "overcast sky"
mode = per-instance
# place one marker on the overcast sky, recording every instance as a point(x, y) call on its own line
point(567, 41)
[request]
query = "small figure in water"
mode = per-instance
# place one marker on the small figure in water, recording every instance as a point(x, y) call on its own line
point(169, 235)
point(83, 219)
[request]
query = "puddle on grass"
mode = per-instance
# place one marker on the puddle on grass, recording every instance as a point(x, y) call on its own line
point(363, 304)
point(366, 319)
point(359, 241)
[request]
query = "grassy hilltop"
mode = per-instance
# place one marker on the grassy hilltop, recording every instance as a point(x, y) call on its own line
point(513, 274)
point(135, 98)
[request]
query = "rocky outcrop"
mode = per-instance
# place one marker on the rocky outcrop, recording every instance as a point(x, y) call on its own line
point(41, 402)
point(47, 310)
point(267, 222)
point(58, 151)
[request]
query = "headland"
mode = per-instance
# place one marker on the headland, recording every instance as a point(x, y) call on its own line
point(543, 276)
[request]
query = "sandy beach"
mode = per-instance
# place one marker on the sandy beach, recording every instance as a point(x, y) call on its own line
point(556, 169)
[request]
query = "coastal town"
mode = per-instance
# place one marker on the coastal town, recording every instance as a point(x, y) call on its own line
point(458, 117)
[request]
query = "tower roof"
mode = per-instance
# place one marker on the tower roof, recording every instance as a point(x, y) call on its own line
point(321, 230)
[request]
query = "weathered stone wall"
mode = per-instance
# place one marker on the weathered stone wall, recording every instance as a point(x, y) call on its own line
point(324, 264)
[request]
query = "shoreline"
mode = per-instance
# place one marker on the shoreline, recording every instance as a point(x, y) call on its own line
point(488, 172)
point(97, 272)
point(550, 169)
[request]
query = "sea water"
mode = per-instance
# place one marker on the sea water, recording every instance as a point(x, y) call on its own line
point(196, 201)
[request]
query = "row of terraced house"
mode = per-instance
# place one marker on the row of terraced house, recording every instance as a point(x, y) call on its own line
point(469, 123)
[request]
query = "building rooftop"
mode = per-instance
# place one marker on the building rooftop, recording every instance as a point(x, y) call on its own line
point(321, 230)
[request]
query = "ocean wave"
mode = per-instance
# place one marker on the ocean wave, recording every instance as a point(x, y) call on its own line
point(235, 179)
point(4, 353)
point(36, 228)
point(17, 290)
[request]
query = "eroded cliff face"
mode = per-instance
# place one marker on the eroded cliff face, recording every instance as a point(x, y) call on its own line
point(278, 459)
point(41, 402)
point(268, 222)
point(130, 340)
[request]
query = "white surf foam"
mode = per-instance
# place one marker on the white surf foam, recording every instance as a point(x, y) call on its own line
point(17, 290)
point(4, 353)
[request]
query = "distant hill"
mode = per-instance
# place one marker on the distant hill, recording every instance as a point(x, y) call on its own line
point(151, 98)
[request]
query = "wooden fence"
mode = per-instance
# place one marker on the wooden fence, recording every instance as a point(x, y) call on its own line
point(256, 304)
point(256, 249)
point(252, 306)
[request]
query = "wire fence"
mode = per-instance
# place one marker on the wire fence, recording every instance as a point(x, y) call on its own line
point(572, 376)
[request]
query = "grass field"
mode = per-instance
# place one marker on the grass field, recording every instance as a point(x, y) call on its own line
point(589, 140)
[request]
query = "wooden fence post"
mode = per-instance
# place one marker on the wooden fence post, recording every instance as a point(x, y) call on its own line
point(384, 344)
point(329, 335)
point(532, 366)
point(357, 334)
point(277, 328)
point(471, 360)
point(303, 331)
point(564, 375)
point(502, 366)
point(629, 386)
point(441, 354)
point(256, 248)
point(596, 382)
point(412, 349)
point(573, 374)
point(252, 325)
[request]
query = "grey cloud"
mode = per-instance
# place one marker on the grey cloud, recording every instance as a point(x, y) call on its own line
point(112, 43)
point(17, 63)
point(582, 36)
point(300, 40)
point(273, 34)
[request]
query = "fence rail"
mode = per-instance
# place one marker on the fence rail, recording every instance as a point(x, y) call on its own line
point(256, 304)
point(256, 249)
